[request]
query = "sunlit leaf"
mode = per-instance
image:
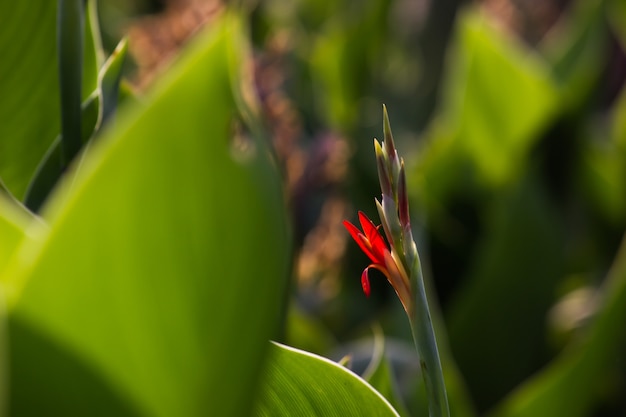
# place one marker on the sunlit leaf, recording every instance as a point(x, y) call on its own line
point(494, 125)
point(161, 276)
point(298, 383)
point(14, 222)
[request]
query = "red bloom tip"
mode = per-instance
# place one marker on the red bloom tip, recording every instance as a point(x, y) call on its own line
point(374, 246)
point(365, 282)
point(377, 244)
point(370, 241)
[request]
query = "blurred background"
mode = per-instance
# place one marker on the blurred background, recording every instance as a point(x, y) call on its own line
point(511, 118)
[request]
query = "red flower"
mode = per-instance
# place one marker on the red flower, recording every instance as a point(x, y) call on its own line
point(375, 247)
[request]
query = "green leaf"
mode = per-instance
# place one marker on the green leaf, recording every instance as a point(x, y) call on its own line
point(93, 54)
point(485, 117)
point(109, 80)
point(29, 103)
point(51, 167)
point(574, 382)
point(160, 279)
point(14, 220)
point(299, 383)
point(29, 81)
point(96, 110)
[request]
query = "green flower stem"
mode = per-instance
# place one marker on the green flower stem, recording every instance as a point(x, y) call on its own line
point(426, 345)
point(394, 215)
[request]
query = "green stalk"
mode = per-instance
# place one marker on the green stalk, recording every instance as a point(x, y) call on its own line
point(70, 23)
point(394, 215)
point(426, 345)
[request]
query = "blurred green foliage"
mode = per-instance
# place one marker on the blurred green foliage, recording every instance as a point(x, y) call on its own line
point(157, 270)
point(518, 178)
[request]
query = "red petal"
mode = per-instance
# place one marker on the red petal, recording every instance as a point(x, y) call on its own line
point(376, 241)
point(369, 228)
point(366, 247)
point(365, 282)
point(354, 231)
point(362, 241)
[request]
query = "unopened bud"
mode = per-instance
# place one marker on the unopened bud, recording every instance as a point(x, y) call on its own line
point(390, 147)
point(403, 198)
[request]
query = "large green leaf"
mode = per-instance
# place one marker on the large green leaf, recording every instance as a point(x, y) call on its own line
point(159, 281)
point(14, 221)
point(298, 383)
point(495, 126)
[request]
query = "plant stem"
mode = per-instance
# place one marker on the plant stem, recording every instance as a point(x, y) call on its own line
point(426, 345)
point(70, 27)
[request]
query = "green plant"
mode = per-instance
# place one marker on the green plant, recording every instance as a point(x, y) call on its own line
point(147, 247)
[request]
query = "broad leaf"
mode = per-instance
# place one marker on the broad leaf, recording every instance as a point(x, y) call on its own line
point(14, 221)
point(484, 116)
point(160, 279)
point(29, 81)
point(298, 383)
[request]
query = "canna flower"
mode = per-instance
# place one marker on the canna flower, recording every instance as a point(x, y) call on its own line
point(398, 260)
point(374, 246)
